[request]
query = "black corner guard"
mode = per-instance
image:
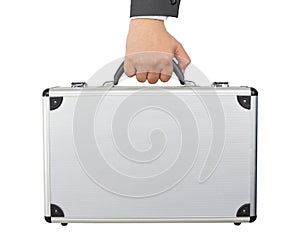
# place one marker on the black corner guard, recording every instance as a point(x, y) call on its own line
point(56, 211)
point(254, 92)
point(252, 218)
point(46, 92)
point(244, 211)
point(55, 102)
point(244, 101)
point(48, 219)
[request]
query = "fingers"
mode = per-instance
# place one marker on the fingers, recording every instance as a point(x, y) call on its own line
point(149, 66)
point(182, 58)
point(155, 66)
point(129, 68)
point(141, 77)
point(167, 70)
point(164, 78)
point(153, 77)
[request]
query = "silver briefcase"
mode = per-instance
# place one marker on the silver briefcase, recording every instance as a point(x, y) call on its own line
point(150, 154)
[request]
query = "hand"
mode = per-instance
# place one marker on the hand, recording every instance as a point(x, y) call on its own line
point(150, 50)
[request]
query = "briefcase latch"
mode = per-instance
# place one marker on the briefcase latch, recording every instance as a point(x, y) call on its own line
point(220, 84)
point(79, 85)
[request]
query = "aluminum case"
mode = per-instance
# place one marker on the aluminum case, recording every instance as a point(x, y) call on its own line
point(150, 154)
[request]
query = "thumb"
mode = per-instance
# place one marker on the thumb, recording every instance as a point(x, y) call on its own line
point(182, 57)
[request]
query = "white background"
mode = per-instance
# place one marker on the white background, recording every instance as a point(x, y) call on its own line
point(49, 43)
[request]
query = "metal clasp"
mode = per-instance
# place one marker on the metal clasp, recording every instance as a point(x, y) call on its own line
point(79, 85)
point(220, 84)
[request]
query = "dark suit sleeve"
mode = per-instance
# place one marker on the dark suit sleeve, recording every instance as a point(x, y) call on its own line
point(154, 8)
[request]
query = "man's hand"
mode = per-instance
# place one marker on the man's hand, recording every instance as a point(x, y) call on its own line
point(150, 50)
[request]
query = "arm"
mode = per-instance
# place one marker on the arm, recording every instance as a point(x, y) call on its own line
point(150, 48)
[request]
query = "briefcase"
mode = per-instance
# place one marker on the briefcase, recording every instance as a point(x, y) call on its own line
point(150, 154)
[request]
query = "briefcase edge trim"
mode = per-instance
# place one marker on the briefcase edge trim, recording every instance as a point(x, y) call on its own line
point(156, 220)
point(46, 151)
point(253, 172)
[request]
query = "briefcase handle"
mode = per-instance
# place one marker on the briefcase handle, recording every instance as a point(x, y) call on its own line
point(176, 69)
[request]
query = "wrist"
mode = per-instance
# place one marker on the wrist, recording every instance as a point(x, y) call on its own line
point(146, 23)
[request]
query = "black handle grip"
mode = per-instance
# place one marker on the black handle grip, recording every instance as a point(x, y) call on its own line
point(176, 69)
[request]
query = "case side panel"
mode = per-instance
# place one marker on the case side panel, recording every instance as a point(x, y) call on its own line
point(46, 141)
point(253, 172)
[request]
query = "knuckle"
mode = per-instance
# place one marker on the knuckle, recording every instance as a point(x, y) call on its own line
point(129, 59)
point(189, 60)
point(129, 71)
point(166, 62)
point(152, 63)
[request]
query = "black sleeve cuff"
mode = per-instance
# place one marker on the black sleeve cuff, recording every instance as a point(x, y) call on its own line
point(154, 8)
